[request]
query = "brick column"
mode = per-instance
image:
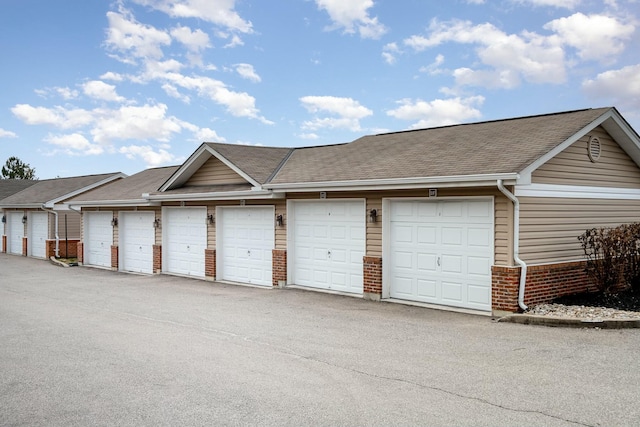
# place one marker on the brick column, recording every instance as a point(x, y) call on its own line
point(80, 252)
point(210, 264)
point(114, 257)
point(157, 259)
point(279, 267)
point(372, 277)
point(24, 246)
point(4, 243)
point(505, 282)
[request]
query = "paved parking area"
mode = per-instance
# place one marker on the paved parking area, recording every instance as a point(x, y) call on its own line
point(81, 346)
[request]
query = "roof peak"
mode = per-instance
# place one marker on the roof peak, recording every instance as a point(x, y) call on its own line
point(558, 113)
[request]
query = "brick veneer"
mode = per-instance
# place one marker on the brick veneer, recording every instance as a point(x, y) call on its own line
point(157, 259)
point(4, 243)
point(210, 263)
point(80, 252)
point(114, 257)
point(24, 246)
point(544, 283)
point(372, 276)
point(278, 266)
point(72, 247)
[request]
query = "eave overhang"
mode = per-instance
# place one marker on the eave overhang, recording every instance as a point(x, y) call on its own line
point(398, 183)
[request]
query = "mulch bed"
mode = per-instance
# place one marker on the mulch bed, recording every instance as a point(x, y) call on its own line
point(628, 300)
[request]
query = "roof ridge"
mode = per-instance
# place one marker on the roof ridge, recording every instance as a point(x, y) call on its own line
point(492, 121)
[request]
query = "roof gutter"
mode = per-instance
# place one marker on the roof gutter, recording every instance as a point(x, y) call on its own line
point(396, 183)
point(516, 243)
point(231, 195)
point(51, 211)
point(115, 203)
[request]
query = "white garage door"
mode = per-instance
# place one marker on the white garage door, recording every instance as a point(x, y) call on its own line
point(38, 231)
point(328, 244)
point(245, 243)
point(135, 241)
point(184, 240)
point(98, 238)
point(442, 252)
point(16, 232)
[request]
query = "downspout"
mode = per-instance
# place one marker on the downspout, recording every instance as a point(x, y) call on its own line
point(56, 228)
point(516, 243)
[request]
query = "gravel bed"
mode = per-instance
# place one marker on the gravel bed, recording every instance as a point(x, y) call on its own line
point(581, 312)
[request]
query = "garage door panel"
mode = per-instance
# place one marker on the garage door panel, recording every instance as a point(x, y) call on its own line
point(337, 244)
point(98, 238)
point(39, 227)
point(136, 237)
point(16, 232)
point(245, 244)
point(427, 288)
point(185, 240)
point(452, 251)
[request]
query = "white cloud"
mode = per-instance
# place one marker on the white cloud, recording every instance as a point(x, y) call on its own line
point(389, 52)
point(173, 92)
point(246, 71)
point(567, 4)
point(475, 1)
point(74, 144)
point(98, 89)
point(195, 41)
point(596, 37)
point(7, 134)
point(218, 12)
point(239, 104)
point(352, 16)
point(135, 122)
point(110, 75)
point(235, 41)
point(439, 112)
point(310, 136)
point(129, 37)
point(434, 67)
point(622, 86)
point(57, 116)
point(152, 158)
point(349, 112)
point(63, 92)
point(535, 58)
point(208, 135)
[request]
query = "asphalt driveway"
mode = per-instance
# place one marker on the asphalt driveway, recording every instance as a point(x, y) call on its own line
point(81, 346)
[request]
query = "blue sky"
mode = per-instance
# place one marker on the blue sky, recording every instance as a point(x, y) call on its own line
point(95, 86)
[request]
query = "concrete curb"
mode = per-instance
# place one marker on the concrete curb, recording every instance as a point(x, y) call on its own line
point(563, 322)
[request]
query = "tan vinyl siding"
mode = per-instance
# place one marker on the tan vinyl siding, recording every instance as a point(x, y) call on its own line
point(573, 166)
point(374, 230)
point(73, 225)
point(549, 227)
point(213, 172)
point(281, 232)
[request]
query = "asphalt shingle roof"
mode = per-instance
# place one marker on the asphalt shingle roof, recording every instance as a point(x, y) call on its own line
point(502, 146)
point(50, 189)
point(131, 187)
point(257, 162)
point(9, 187)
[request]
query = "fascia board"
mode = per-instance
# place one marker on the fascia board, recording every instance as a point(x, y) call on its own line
point(576, 192)
point(51, 203)
point(399, 183)
point(232, 195)
point(112, 203)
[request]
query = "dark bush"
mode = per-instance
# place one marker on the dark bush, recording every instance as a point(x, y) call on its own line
point(613, 256)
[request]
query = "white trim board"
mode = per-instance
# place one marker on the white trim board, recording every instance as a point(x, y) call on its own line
point(576, 192)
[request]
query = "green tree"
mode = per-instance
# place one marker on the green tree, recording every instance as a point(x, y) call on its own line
point(15, 168)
